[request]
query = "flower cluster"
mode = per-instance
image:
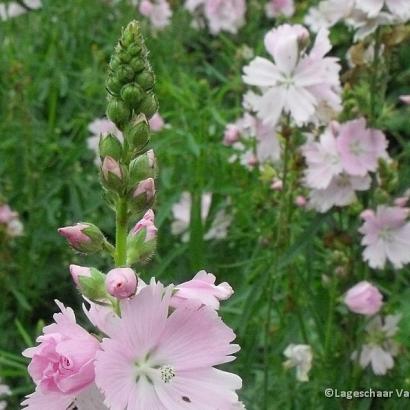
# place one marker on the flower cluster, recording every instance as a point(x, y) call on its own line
point(160, 344)
point(363, 16)
point(340, 163)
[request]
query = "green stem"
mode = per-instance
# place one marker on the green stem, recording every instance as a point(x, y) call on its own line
point(279, 240)
point(121, 232)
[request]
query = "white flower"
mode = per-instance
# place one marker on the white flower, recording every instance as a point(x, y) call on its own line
point(379, 349)
point(340, 192)
point(296, 83)
point(299, 356)
point(14, 9)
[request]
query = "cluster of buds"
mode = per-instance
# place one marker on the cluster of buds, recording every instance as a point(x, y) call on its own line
point(128, 171)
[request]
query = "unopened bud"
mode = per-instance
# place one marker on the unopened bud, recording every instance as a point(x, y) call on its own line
point(300, 201)
point(131, 95)
point(83, 237)
point(143, 195)
point(76, 271)
point(93, 286)
point(110, 146)
point(124, 73)
point(114, 85)
point(112, 175)
point(146, 79)
point(277, 185)
point(149, 105)
point(121, 283)
point(141, 242)
point(137, 133)
point(142, 167)
point(118, 112)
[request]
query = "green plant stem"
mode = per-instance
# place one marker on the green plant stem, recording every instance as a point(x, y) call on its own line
point(279, 240)
point(121, 232)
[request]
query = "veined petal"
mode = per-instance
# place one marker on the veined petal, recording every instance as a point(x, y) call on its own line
point(261, 72)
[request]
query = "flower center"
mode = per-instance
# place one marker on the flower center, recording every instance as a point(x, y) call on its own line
point(386, 234)
point(356, 148)
point(167, 373)
point(287, 81)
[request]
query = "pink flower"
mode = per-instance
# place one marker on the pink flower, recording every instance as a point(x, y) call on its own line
point(156, 122)
point(6, 214)
point(225, 15)
point(202, 289)
point(76, 271)
point(274, 8)
point(111, 166)
point(360, 147)
point(323, 160)
point(386, 237)
point(159, 360)
point(364, 298)
point(147, 187)
point(121, 282)
point(232, 134)
point(297, 82)
point(277, 184)
point(147, 223)
point(62, 365)
point(158, 11)
point(74, 234)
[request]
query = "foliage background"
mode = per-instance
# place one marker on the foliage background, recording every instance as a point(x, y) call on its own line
point(52, 66)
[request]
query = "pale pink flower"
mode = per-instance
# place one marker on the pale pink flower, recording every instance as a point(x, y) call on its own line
point(181, 212)
point(156, 122)
point(323, 160)
point(380, 348)
point(121, 282)
point(365, 25)
point(405, 99)
point(6, 214)
point(340, 192)
point(297, 82)
point(4, 391)
point(360, 148)
point(225, 15)
point(364, 298)
point(219, 227)
point(158, 11)
point(275, 8)
point(76, 271)
point(399, 8)
point(300, 357)
point(14, 9)
point(386, 237)
point(90, 399)
point(202, 289)
point(62, 365)
point(147, 223)
point(277, 184)
point(328, 13)
point(401, 201)
point(159, 360)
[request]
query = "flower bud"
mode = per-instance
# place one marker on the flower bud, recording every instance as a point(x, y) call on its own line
point(143, 195)
point(132, 95)
point(124, 73)
point(142, 167)
point(141, 242)
point(83, 237)
point(277, 185)
point(149, 105)
point(364, 298)
point(131, 34)
point(76, 271)
point(92, 286)
point(121, 282)
point(137, 133)
point(146, 79)
point(110, 146)
point(231, 135)
point(113, 85)
point(300, 201)
point(112, 175)
point(118, 112)
point(137, 64)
